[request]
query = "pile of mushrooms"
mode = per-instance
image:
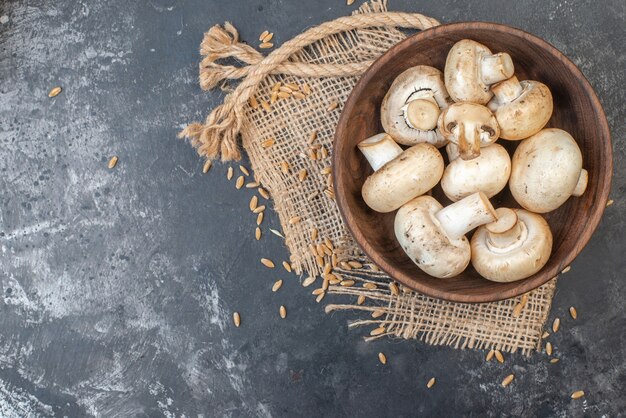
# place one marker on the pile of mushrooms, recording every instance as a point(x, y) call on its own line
point(473, 103)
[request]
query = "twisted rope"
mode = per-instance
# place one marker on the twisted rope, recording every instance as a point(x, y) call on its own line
point(218, 135)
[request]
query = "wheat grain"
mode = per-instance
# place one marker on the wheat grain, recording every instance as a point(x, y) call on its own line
point(267, 263)
point(377, 331)
point(507, 380)
point(308, 281)
point(236, 319)
point(55, 92)
point(113, 162)
point(264, 193)
point(254, 202)
point(578, 394)
point(556, 324)
point(332, 106)
point(277, 285)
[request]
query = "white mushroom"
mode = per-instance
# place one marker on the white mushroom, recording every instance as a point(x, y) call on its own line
point(487, 173)
point(514, 247)
point(522, 108)
point(434, 237)
point(471, 68)
point(546, 170)
point(470, 126)
point(399, 176)
point(412, 105)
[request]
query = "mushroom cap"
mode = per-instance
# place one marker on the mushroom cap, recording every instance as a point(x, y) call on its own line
point(545, 170)
point(462, 72)
point(487, 173)
point(419, 82)
point(419, 233)
point(412, 173)
point(471, 117)
point(527, 114)
point(522, 259)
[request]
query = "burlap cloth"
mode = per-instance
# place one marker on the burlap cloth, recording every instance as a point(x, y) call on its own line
point(329, 59)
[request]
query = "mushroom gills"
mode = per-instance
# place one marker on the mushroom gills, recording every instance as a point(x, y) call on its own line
point(421, 110)
point(412, 104)
point(470, 126)
point(514, 247)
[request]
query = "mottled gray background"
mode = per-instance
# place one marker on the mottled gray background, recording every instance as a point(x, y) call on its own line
point(117, 286)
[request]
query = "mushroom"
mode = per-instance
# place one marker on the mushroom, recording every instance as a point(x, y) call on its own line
point(434, 237)
point(470, 126)
point(412, 105)
point(522, 108)
point(514, 247)
point(399, 176)
point(471, 68)
point(546, 170)
point(487, 173)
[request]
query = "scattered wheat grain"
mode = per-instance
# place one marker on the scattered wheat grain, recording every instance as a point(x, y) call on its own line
point(507, 380)
point(277, 285)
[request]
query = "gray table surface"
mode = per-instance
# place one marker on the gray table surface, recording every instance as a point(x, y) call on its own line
point(117, 286)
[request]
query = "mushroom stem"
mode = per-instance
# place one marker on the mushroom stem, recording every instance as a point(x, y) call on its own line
point(452, 150)
point(468, 213)
point(422, 114)
point(506, 232)
point(581, 186)
point(495, 68)
point(379, 150)
point(469, 141)
point(508, 90)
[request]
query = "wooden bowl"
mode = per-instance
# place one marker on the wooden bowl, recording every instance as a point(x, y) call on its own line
point(576, 110)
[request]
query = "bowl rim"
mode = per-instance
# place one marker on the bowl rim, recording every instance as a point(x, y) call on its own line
point(596, 210)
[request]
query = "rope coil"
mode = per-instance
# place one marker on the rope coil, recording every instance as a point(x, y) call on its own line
point(218, 135)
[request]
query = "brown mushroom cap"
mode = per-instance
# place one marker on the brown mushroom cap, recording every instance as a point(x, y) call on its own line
point(412, 173)
point(470, 126)
point(522, 108)
point(471, 68)
point(405, 108)
point(515, 253)
point(545, 170)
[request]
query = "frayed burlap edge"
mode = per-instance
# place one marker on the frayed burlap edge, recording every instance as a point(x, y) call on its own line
point(328, 60)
